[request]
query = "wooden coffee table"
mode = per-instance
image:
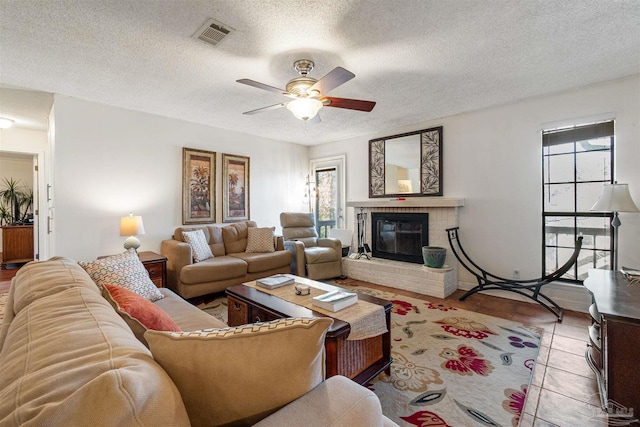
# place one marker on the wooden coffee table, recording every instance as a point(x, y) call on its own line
point(360, 360)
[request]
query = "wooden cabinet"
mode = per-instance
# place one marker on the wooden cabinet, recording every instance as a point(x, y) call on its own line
point(17, 244)
point(156, 265)
point(615, 339)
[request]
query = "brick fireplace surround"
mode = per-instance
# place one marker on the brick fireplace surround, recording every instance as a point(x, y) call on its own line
point(443, 214)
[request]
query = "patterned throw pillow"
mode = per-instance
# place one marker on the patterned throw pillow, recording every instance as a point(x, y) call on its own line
point(124, 270)
point(295, 349)
point(139, 313)
point(199, 246)
point(260, 239)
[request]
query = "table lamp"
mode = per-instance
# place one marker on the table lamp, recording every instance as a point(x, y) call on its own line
point(615, 198)
point(131, 226)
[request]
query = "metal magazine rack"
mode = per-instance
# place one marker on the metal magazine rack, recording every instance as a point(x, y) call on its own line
point(529, 288)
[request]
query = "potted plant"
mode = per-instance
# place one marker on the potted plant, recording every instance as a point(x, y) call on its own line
point(15, 202)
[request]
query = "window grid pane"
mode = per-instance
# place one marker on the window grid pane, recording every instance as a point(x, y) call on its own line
point(573, 175)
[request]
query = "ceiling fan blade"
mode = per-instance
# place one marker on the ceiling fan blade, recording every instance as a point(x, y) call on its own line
point(270, 107)
point(349, 104)
point(335, 78)
point(265, 87)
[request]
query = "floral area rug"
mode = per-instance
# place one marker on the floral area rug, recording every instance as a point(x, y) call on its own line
point(4, 296)
point(451, 367)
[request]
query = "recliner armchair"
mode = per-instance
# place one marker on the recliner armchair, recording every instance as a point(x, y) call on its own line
point(313, 257)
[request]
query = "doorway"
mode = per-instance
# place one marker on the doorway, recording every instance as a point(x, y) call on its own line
point(329, 207)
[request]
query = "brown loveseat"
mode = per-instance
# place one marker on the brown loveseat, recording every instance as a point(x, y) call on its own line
point(69, 359)
point(230, 264)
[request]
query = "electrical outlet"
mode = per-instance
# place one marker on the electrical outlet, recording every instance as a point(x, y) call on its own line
point(516, 274)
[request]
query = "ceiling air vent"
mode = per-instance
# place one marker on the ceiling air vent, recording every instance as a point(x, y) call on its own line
point(212, 32)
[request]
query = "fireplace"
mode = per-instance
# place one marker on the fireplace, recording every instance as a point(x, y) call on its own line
point(399, 236)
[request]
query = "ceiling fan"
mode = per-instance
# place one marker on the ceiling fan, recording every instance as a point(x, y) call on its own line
point(309, 94)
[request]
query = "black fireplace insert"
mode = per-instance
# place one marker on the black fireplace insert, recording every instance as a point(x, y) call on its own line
point(399, 236)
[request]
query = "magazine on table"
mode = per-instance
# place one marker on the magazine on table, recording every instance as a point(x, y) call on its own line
point(335, 300)
point(275, 281)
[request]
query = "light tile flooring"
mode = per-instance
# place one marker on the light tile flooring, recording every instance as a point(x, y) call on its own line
point(563, 391)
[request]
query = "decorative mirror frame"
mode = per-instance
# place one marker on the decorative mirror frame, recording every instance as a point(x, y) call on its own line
point(430, 164)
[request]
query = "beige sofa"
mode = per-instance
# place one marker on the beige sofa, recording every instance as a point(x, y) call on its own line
point(69, 359)
point(230, 264)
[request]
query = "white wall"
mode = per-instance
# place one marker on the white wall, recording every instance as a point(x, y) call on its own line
point(492, 158)
point(110, 161)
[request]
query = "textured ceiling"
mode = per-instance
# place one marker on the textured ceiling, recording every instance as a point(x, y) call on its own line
point(418, 60)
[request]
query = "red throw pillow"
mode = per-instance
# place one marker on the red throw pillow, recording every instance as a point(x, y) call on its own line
point(147, 313)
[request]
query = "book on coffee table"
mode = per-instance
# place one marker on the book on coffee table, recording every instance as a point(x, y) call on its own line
point(335, 300)
point(275, 281)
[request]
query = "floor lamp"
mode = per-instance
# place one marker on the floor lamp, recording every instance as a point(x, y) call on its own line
point(615, 198)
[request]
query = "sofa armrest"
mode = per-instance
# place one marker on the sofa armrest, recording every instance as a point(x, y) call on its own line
point(178, 255)
point(336, 402)
point(279, 243)
point(297, 259)
point(329, 242)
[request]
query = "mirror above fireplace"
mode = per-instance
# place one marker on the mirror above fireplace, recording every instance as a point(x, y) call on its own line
point(406, 165)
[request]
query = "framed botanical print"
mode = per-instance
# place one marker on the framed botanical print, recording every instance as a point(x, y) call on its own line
point(235, 188)
point(198, 186)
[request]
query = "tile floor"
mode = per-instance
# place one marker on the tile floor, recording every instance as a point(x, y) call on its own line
point(563, 391)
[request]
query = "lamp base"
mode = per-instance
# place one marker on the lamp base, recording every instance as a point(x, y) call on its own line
point(132, 243)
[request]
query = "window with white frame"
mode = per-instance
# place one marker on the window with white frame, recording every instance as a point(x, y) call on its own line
point(577, 161)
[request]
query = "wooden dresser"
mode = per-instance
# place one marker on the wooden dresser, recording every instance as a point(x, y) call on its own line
point(17, 244)
point(613, 352)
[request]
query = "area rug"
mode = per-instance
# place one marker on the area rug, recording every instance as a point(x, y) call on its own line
point(3, 301)
point(451, 367)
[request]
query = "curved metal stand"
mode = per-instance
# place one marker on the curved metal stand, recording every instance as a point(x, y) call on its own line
point(528, 288)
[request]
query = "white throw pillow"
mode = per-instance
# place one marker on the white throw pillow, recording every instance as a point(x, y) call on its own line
point(124, 270)
point(260, 239)
point(199, 246)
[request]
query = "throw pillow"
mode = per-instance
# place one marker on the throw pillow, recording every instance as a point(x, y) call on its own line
point(260, 239)
point(124, 270)
point(199, 246)
point(149, 316)
point(243, 374)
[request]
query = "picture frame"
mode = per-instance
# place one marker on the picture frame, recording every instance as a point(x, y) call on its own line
point(198, 186)
point(235, 188)
point(406, 165)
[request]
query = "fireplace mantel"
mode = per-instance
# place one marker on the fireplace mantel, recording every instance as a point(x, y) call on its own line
point(410, 202)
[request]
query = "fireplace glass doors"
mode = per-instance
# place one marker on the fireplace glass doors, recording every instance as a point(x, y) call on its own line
point(399, 236)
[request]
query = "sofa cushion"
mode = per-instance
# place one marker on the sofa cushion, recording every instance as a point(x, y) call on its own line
point(38, 280)
point(200, 249)
point(213, 234)
point(234, 367)
point(318, 254)
point(235, 236)
point(131, 306)
point(69, 359)
point(260, 240)
point(212, 269)
point(257, 263)
point(123, 270)
point(187, 316)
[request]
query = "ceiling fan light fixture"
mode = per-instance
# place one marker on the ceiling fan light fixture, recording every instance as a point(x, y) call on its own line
point(304, 108)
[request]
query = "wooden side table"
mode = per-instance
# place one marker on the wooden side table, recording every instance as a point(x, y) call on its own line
point(17, 244)
point(156, 265)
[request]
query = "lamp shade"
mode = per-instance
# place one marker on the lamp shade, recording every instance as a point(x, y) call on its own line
point(131, 226)
point(615, 198)
point(5, 123)
point(304, 108)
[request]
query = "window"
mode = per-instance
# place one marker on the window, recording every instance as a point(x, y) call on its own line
point(576, 163)
point(329, 203)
